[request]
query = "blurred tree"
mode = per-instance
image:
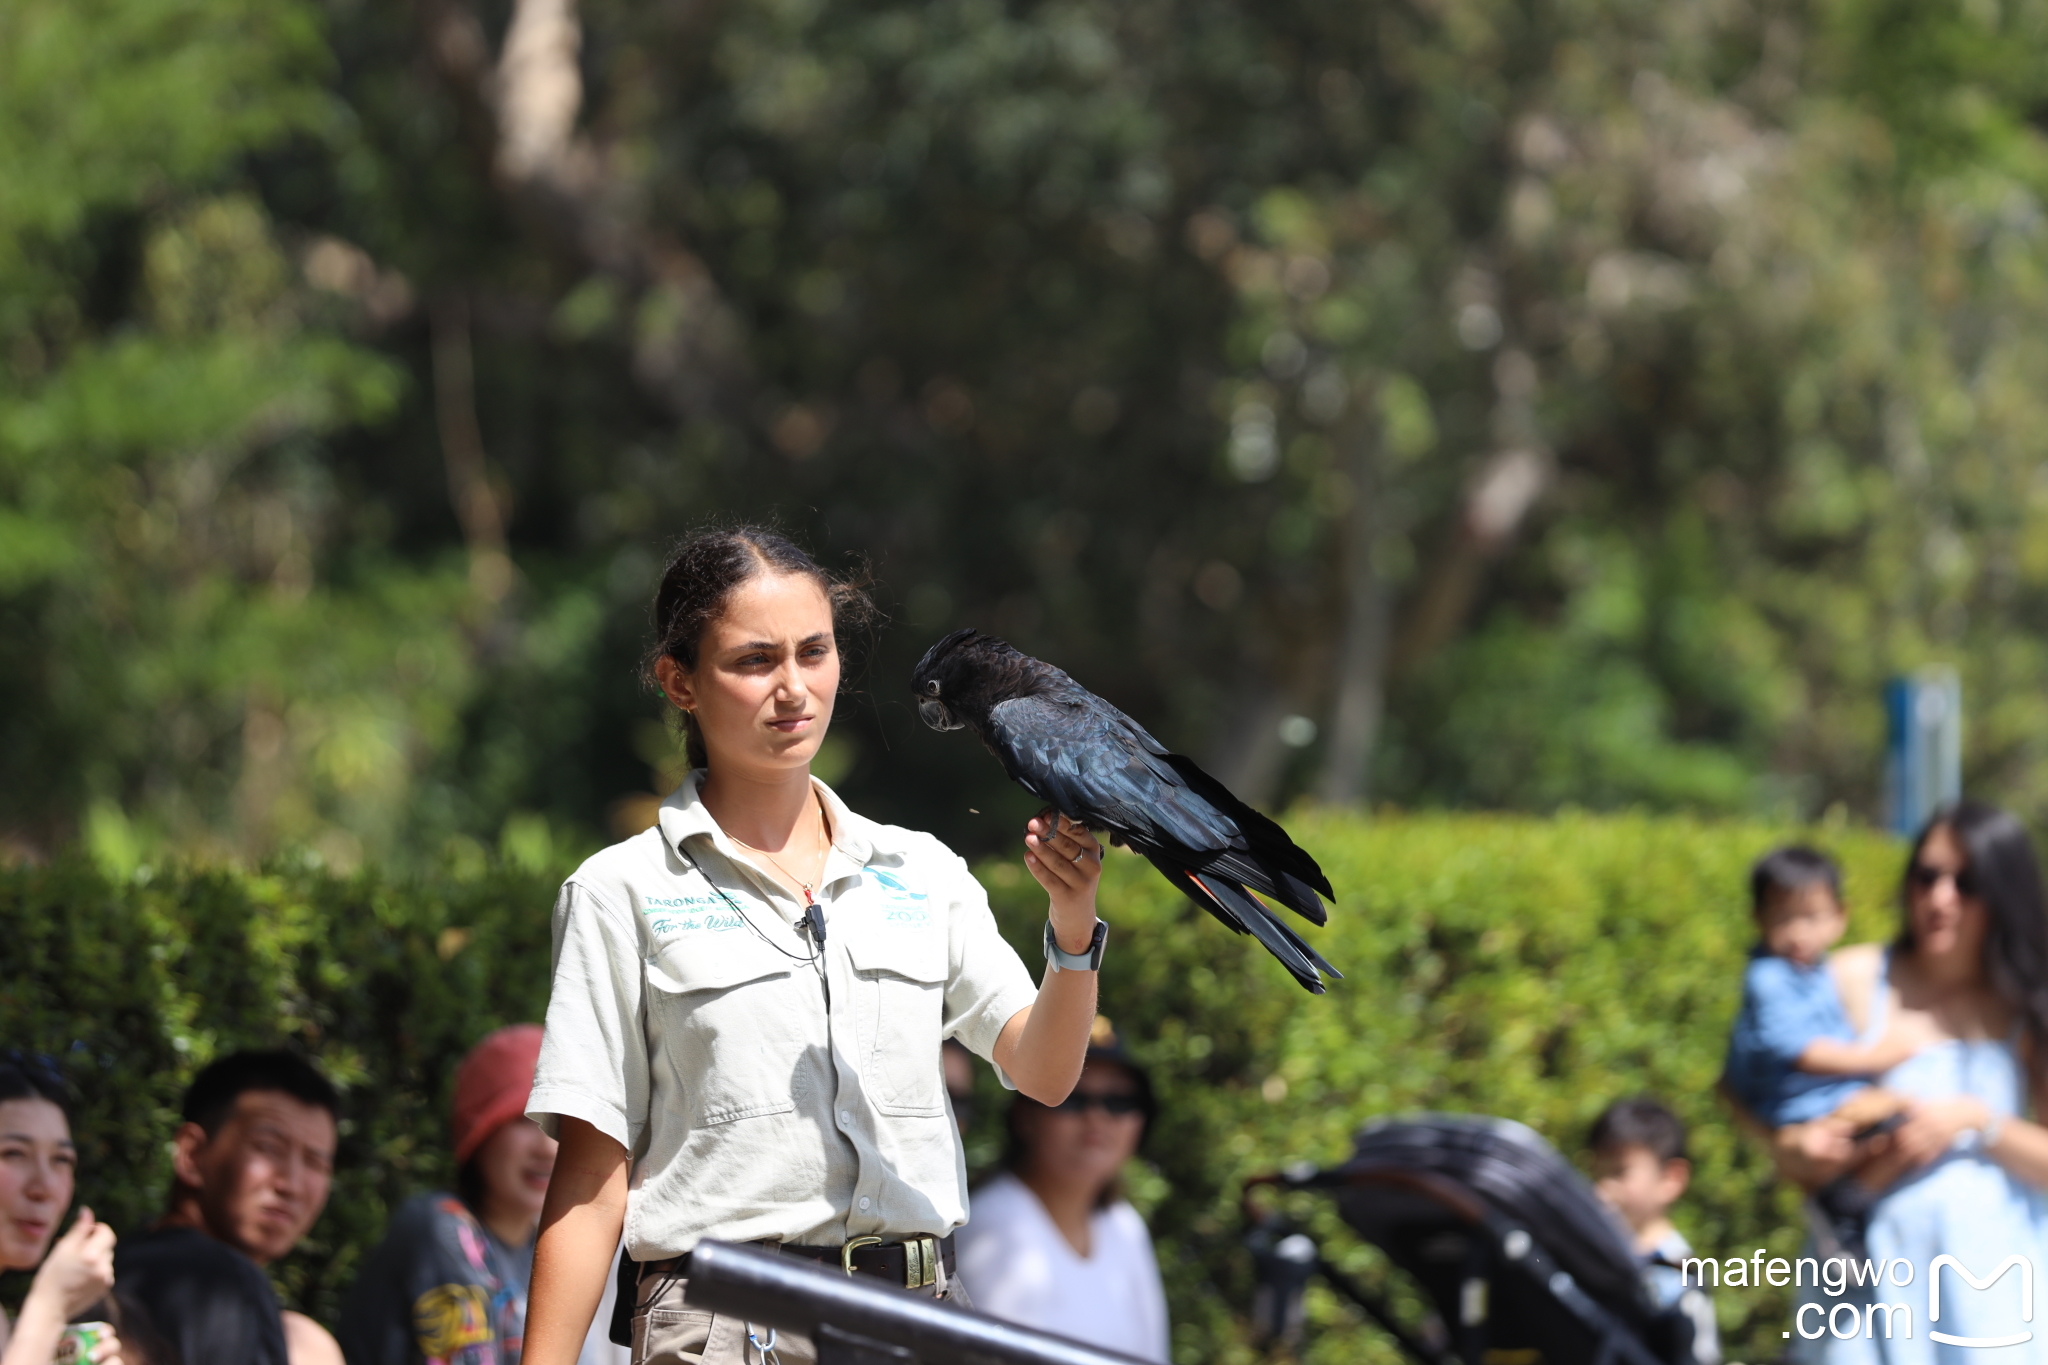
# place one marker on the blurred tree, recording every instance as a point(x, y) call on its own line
point(1472, 402)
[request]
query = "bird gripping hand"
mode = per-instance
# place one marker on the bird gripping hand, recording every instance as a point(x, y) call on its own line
point(1067, 860)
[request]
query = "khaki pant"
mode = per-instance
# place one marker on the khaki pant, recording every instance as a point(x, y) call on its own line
point(667, 1331)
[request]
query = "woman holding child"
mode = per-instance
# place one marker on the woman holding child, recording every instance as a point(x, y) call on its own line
point(1962, 994)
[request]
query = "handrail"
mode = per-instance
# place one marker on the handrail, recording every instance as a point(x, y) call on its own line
point(857, 1320)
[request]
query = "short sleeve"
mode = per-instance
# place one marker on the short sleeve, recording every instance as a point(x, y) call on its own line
point(987, 983)
point(593, 1054)
point(413, 1287)
point(1789, 1009)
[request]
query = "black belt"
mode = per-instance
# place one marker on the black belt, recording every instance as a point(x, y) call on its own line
point(913, 1264)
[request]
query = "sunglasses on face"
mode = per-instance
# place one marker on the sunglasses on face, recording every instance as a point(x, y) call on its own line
point(1114, 1105)
point(1927, 878)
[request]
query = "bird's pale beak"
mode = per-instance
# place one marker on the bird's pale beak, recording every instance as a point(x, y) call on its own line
point(934, 713)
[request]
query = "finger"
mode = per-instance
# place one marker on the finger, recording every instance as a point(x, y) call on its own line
point(1080, 834)
point(1077, 845)
point(1060, 867)
point(1050, 880)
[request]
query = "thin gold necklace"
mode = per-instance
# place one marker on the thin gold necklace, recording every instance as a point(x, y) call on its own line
point(808, 900)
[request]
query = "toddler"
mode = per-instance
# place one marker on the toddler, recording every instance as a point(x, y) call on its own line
point(1792, 1055)
point(1639, 1171)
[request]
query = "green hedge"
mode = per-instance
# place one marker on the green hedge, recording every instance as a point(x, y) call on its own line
point(135, 986)
point(1530, 969)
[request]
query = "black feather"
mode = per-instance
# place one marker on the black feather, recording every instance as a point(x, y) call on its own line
point(1097, 766)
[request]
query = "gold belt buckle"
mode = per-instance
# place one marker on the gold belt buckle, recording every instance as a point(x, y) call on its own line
point(846, 1252)
point(920, 1263)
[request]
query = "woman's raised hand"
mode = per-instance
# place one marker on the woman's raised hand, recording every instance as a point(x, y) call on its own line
point(79, 1270)
point(1067, 860)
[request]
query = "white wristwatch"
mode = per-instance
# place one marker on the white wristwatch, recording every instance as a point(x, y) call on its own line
point(1060, 960)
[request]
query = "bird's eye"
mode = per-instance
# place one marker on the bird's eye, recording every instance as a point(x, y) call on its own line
point(932, 687)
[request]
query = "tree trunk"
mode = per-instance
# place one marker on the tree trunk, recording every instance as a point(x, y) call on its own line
point(1359, 697)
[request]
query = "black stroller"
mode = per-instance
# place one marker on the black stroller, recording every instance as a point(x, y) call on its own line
point(1523, 1265)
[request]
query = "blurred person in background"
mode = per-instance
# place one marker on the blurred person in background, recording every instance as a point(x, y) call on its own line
point(1051, 1242)
point(250, 1170)
point(449, 1281)
point(1640, 1170)
point(38, 1167)
point(1968, 971)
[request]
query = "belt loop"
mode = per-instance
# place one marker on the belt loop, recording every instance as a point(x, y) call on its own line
point(846, 1252)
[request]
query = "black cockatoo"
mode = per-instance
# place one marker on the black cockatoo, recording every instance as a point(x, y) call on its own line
point(1098, 767)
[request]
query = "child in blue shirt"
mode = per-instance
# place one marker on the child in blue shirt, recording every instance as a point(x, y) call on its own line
point(1640, 1170)
point(1793, 1055)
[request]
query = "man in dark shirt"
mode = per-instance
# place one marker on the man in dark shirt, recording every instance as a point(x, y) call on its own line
point(251, 1165)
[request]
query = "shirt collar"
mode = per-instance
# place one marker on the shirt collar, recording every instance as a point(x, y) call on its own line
point(684, 817)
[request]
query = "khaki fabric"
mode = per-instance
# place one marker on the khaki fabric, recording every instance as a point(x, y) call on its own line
point(666, 1331)
point(768, 1092)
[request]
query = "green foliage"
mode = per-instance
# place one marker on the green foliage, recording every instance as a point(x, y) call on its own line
point(1534, 970)
point(134, 985)
point(1172, 339)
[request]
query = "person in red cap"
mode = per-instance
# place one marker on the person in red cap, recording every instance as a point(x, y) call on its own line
point(448, 1284)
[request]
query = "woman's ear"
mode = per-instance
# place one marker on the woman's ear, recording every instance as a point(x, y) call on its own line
point(675, 683)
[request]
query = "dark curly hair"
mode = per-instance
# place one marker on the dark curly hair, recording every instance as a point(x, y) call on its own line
point(703, 571)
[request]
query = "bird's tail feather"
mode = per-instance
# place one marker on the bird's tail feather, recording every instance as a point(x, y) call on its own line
point(1290, 890)
point(1270, 844)
point(1236, 908)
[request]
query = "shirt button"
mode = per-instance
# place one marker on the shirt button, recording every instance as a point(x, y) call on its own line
point(845, 1117)
point(863, 1201)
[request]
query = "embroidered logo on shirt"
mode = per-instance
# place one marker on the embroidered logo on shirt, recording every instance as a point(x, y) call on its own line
point(890, 882)
point(903, 906)
point(689, 915)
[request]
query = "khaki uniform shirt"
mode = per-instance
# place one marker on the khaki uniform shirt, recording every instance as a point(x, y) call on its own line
point(764, 1090)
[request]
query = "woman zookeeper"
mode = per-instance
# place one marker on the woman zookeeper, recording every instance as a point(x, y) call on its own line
point(749, 998)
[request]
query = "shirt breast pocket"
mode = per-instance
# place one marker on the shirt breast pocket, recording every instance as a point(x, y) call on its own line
point(899, 1013)
point(727, 1017)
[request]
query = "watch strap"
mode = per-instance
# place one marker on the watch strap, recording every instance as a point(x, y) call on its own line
point(1060, 960)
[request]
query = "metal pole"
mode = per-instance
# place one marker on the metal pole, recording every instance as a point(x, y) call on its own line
point(857, 1319)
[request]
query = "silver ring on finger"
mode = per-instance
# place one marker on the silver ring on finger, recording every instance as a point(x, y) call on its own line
point(1079, 856)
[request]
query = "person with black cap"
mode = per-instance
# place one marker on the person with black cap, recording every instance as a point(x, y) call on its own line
point(1051, 1242)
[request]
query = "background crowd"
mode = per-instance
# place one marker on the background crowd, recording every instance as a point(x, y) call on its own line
point(1944, 1008)
point(1567, 416)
